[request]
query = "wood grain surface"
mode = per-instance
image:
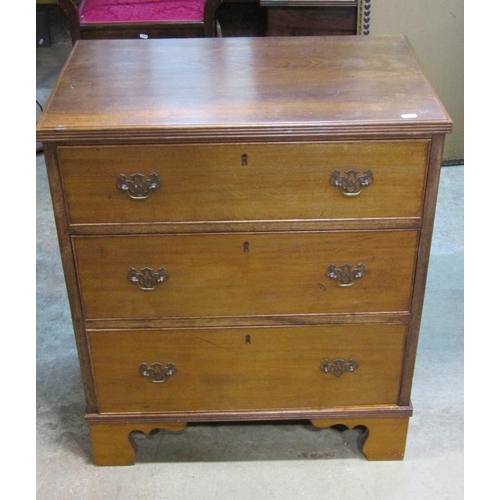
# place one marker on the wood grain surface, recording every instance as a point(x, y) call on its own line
point(271, 182)
point(244, 134)
point(213, 275)
point(219, 369)
point(235, 87)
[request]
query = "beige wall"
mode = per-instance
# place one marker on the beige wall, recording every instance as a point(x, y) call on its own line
point(435, 28)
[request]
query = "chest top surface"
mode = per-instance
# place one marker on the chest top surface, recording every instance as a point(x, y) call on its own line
point(241, 86)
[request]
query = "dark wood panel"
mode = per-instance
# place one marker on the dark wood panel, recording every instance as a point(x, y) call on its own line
point(243, 226)
point(252, 321)
point(312, 21)
point(127, 31)
point(344, 412)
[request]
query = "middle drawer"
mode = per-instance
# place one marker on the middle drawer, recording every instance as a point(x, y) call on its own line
point(207, 275)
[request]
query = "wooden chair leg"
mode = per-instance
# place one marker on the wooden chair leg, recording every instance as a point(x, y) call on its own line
point(112, 445)
point(385, 440)
point(71, 10)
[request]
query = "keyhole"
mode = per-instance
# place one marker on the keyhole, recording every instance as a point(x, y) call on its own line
point(248, 340)
point(246, 246)
point(244, 160)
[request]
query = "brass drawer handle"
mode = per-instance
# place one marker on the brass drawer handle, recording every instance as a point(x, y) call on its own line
point(157, 373)
point(345, 275)
point(137, 187)
point(351, 184)
point(146, 279)
point(338, 366)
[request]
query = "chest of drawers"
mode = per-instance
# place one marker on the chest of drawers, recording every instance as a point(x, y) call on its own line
point(245, 228)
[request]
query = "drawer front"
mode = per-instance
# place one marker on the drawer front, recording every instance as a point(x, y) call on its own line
point(238, 369)
point(311, 21)
point(243, 182)
point(245, 274)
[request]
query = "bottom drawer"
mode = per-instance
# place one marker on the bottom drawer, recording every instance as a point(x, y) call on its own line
point(247, 368)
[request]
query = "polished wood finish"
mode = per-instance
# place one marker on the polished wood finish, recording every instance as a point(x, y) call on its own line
point(244, 225)
point(249, 368)
point(400, 318)
point(210, 183)
point(314, 88)
point(212, 275)
point(246, 240)
point(343, 412)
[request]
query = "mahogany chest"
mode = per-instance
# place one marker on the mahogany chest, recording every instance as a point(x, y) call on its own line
point(245, 227)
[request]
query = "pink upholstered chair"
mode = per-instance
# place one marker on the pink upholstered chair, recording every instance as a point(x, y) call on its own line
point(91, 19)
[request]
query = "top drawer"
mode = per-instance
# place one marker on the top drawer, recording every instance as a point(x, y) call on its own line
point(243, 182)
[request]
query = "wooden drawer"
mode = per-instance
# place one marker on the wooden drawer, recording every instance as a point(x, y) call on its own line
point(214, 183)
point(311, 21)
point(244, 274)
point(236, 369)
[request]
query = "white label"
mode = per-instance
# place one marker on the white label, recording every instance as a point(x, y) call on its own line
point(143, 36)
point(409, 115)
